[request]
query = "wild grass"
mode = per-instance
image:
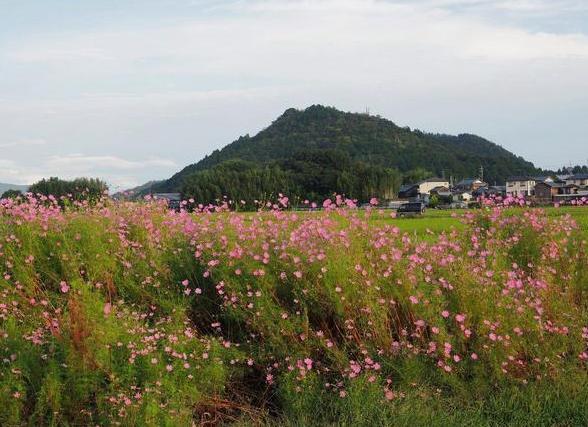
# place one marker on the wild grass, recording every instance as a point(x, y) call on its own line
point(130, 314)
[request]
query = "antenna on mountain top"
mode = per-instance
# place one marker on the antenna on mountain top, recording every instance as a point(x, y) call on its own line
point(367, 111)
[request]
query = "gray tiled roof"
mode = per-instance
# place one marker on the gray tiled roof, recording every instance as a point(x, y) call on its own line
point(578, 176)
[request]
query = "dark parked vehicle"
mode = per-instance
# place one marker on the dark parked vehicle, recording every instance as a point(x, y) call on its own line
point(412, 208)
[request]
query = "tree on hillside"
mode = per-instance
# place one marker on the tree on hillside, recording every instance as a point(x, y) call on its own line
point(416, 175)
point(573, 170)
point(79, 189)
point(312, 175)
point(236, 180)
point(11, 194)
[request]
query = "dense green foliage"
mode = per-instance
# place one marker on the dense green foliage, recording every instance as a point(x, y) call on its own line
point(573, 170)
point(79, 189)
point(237, 180)
point(363, 138)
point(11, 194)
point(310, 175)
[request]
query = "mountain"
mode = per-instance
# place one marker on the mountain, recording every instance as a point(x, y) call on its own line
point(370, 140)
point(6, 187)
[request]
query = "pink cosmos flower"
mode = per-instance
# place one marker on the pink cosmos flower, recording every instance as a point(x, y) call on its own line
point(64, 287)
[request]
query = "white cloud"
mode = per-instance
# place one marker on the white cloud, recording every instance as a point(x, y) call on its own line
point(79, 162)
point(23, 142)
point(113, 169)
point(542, 6)
point(182, 87)
point(79, 54)
point(12, 173)
point(273, 35)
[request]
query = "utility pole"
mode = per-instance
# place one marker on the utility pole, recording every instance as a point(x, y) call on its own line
point(481, 173)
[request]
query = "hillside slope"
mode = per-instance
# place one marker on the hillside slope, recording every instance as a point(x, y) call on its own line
point(370, 139)
point(5, 187)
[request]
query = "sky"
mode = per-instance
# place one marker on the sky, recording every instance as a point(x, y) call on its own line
point(131, 91)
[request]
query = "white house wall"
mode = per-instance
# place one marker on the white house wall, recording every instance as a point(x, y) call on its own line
point(426, 187)
point(520, 188)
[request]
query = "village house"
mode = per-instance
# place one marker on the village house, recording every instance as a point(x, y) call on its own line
point(581, 180)
point(520, 186)
point(427, 185)
point(443, 194)
point(408, 191)
point(546, 178)
point(491, 191)
point(462, 196)
point(546, 191)
point(422, 189)
point(550, 191)
point(524, 185)
point(173, 199)
point(470, 184)
point(440, 190)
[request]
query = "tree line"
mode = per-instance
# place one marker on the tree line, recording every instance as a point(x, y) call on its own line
point(76, 190)
point(310, 175)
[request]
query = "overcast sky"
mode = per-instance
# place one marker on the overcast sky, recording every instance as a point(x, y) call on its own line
point(134, 90)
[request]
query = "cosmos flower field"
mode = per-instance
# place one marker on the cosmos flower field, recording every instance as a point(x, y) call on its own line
point(132, 314)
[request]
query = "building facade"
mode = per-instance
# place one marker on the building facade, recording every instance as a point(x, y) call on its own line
point(520, 186)
point(581, 180)
point(427, 185)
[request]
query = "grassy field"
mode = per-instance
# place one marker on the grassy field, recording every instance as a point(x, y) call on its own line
point(129, 314)
point(434, 222)
point(431, 223)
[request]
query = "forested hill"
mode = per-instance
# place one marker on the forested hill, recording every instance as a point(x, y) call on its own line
point(371, 140)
